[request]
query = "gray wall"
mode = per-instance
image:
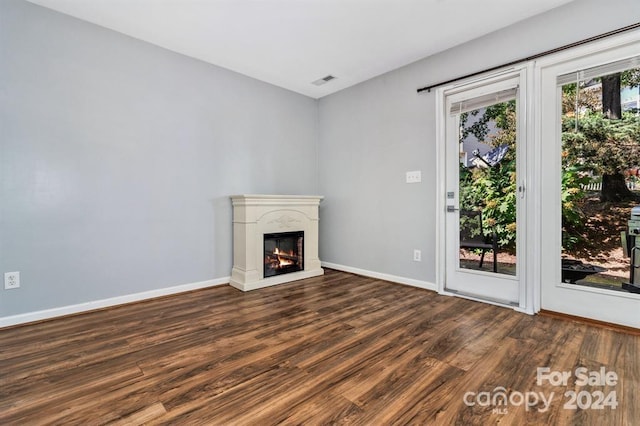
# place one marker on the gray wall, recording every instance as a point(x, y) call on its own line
point(372, 133)
point(117, 159)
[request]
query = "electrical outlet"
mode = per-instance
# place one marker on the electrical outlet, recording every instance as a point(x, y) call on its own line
point(11, 280)
point(417, 256)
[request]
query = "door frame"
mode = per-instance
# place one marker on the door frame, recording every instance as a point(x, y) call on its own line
point(527, 247)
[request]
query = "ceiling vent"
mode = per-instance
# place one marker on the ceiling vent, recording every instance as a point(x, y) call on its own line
point(323, 80)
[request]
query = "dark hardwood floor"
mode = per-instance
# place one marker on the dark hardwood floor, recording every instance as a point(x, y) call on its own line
point(333, 349)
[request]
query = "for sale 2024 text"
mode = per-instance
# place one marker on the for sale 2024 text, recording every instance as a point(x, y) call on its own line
point(583, 399)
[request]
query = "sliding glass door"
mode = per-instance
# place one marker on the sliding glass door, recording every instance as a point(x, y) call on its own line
point(590, 146)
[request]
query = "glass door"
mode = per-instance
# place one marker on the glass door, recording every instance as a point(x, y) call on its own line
point(591, 196)
point(484, 190)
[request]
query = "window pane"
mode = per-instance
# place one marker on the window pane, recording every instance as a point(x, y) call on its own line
point(600, 163)
point(488, 187)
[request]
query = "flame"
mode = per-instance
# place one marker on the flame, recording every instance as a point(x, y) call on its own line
point(283, 262)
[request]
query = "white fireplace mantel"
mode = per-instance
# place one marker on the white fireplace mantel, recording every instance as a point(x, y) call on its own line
point(256, 215)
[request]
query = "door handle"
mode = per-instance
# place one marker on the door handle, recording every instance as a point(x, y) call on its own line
point(451, 209)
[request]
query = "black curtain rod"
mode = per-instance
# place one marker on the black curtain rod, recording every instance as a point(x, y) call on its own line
point(539, 55)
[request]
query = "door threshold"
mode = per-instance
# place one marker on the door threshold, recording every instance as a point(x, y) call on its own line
point(483, 299)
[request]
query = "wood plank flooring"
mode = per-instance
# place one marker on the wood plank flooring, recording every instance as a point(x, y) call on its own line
point(333, 349)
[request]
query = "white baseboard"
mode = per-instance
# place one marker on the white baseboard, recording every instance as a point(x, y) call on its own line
point(379, 275)
point(105, 303)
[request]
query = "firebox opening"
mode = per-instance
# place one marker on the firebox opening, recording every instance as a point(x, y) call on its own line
point(283, 253)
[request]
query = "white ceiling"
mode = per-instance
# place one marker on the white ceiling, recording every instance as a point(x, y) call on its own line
point(291, 43)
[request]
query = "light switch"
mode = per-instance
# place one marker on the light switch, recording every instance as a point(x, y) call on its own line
point(414, 176)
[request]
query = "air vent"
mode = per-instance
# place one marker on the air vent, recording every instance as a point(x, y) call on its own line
point(323, 80)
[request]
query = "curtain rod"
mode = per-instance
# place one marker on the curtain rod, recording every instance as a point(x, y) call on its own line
point(536, 56)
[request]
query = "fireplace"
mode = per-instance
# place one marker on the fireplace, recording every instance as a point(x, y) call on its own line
point(275, 239)
point(283, 253)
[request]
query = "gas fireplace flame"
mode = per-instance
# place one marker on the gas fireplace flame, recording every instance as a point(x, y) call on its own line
point(283, 261)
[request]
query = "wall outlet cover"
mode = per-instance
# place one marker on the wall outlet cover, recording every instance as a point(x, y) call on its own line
point(11, 280)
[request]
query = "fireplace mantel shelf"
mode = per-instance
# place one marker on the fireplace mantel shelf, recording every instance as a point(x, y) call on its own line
point(257, 215)
point(277, 197)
